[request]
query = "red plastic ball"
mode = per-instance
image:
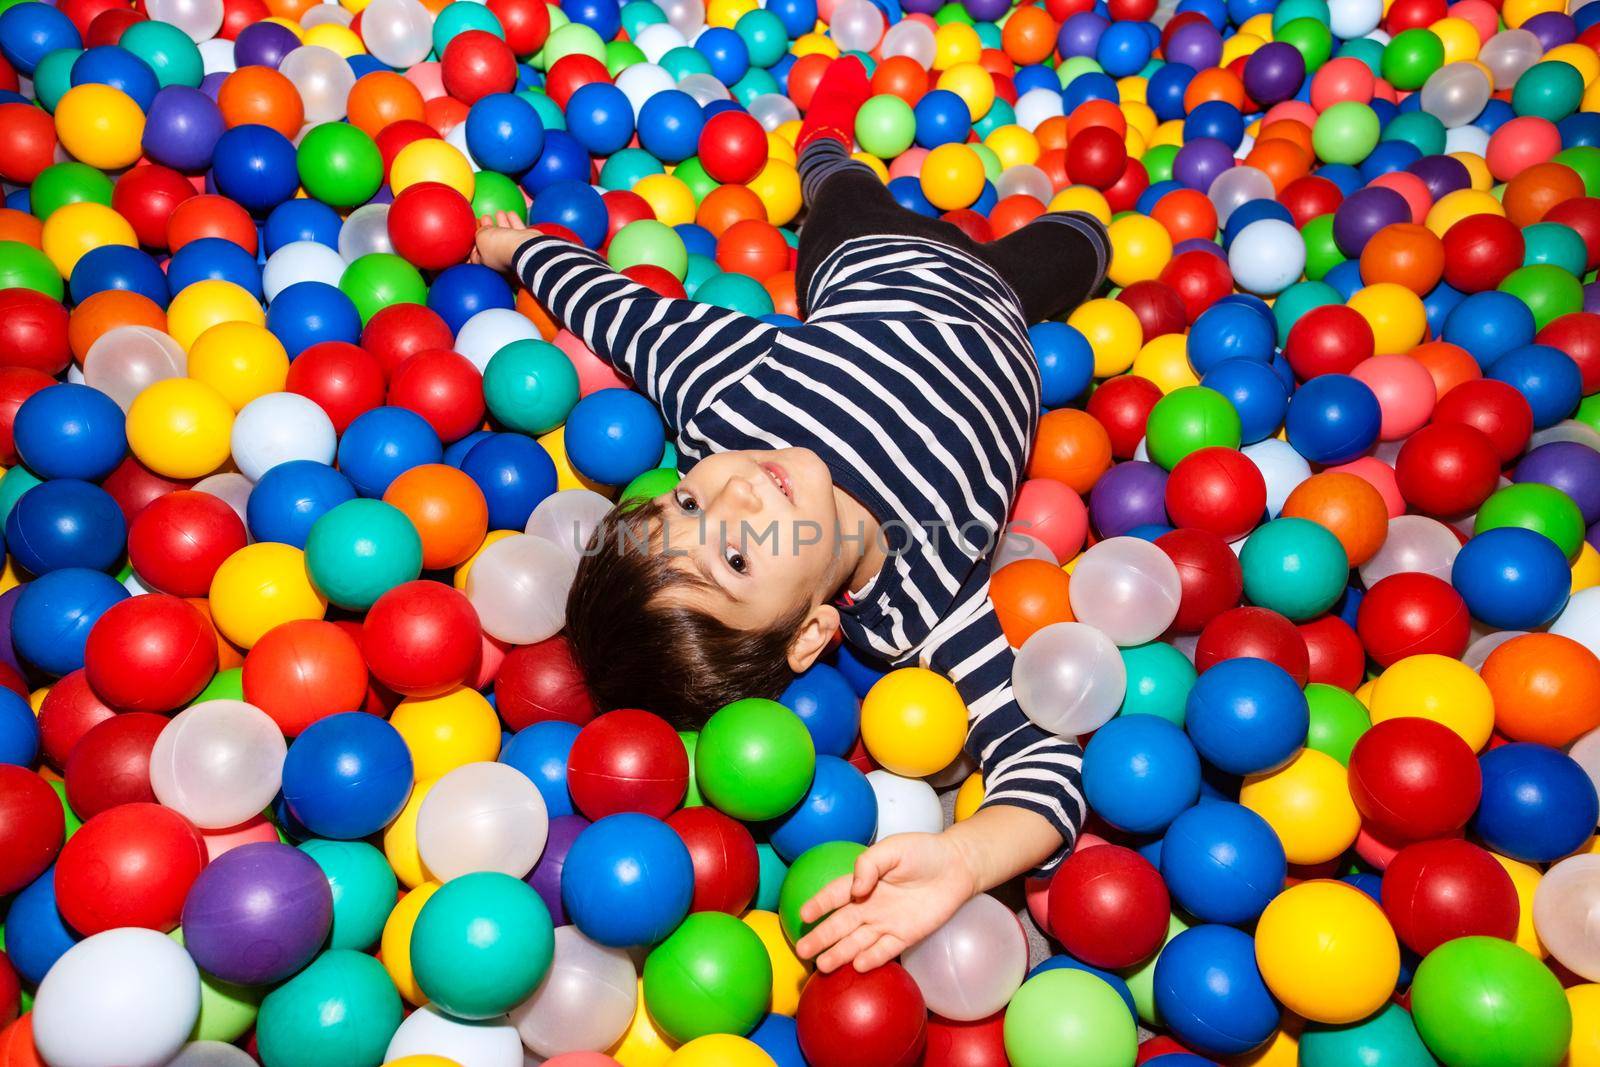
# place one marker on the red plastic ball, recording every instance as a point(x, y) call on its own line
point(627, 760)
point(422, 639)
point(33, 332)
point(432, 226)
point(476, 64)
point(754, 247)
point(1578, 335)
point(526, 23)
point(345, 381)
point(1200, 277)
point(1208, 573)
point(1412, 14)
point(1437, 891)
point(1158, 306)
point(395, 136)
point(135, 487)
point(1410, 614)
point(177, 542)
point(1335, 653)
point(733, 147)
point(153, 652)
point(237, 15)
point(69, 710)
point(147, 196)
point(1414, 779)
point(1310, 196)
point(1447, 469)
point(542, 683)
point(304, 670)
point(1254, 633)
point(850, 1019)
point(27, 142)
point(622, 207)
point(571, 73)
point(1123, 405)
point(970, 223)
point(129, 866)
point(1328, 340)
point(401, 330)
point(16, 385)
point(10, 991)
point(1494, 407)
point(32, 826)
point(110, 765)
point(1108, 906)
point(657, 280)
point(209, 215)
point(727, 868)
point(444, 388)
point(976, 1044)
point(1124, 193)
point(1480, 250)
point(83, 12)
point(109, 26)
point(1217, 490)
point(1097, 156)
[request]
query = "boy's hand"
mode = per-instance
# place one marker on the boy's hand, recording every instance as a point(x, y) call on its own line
point(903, 889)
point(499, 237)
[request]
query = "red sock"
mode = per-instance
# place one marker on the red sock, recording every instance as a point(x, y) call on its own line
point(840, 94)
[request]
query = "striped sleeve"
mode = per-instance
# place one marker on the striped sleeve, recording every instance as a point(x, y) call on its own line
point(1023, 765)
point(678, 352)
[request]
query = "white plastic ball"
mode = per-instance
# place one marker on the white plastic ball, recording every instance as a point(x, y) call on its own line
point(1354, 18)
point(300, 261)
point(482, 817)
point(1281, 467)
point(905, 805)
point(1456, 93)
point(1479, 650)
point(1267, 256)
point(325, 14)
point(1580, 619)
point(200, 19)
point(1236, 187)
point(857, 25)
point(688, 17)
point(278, 427)
point(489, 331)
point(969, 968)
point(1037, 105)
point(1466, 139)
point(642, 81)
point(1585, 752)
point(1126, 588)
point(519, 587)
point(1508, 53)
point(211, 1054)
point(398, 33)
point(1069, 678)
point(126, 360)
point(658, 39)
point(584, 1004)
point(322, 78)
point(568, 519)
point(1566, 914)
point(1414, 544)
point(915, 40)
point(773, 110)
point(218, 763)
point(127, 997)
point(427, 1032)
point(457, 139)
point(216, 57)
point(1024, 179)
point(704, 88)
point(365, 230)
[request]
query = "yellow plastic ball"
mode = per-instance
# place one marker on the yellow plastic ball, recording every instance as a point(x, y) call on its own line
point(1395, 314)
point(1282, 1049)
point(1013, 145)
point(969, 798)
point(180, 428)
point(952, 177)
point(1113, 333)
point(1140, 248)
point(1168, 133)
point(431, 160)
point(668, 197)
point(1438, 688)
point(1591, 97)
point(1525, 877)
point(1133, 90)
point(1165, 361)
point(1363, 692)
point(1581, 59)
point(73, 231)
point(778, 186)
point(567, 477)
point(1134, 144)
point(973, 84)
point(814, 44)
point(1516, 12)
point(1083, 198)
point(201, 305)
point(780, 142)
point(873, 163)
point(1451, 208)
point(459, 579)
point(1584, 1000)
point(241, 361)
point(100, 126)
point(340, 40)
point(449, 731)
point(400, 843)
point(261, 586)
point(1258, 26)
point(913, 722)
point(395, 946)
point(1459, 37)
point(1327, 952)
point(1307, 803)
point(1586, 568)
point(1238, 46)
point(789, 972)
point(642, 1045)
point(288, 24)
point(721, 1050)
point(725, 13)
point(1141, 117)
point(953, 43)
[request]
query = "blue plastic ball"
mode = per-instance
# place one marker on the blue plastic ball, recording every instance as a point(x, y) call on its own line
point(381, 444)
point(460, 292)
point(563, 158)
point(19, 730)
point(1230, 331)
point(942, 118)
point(30, 31)
point(1140, 772)
point(291, 497)
point(1512, 578)
point(1488, 325)
point(213, 258)
point(514, 474)
point(576, 206)
point(308, 313)
point(778, 1036)
point(255, 165)
point(839, 806)
point(347, 776)
point(303, 219)
point(66, 523)
point(614, 435)
point(1222, 862)
point(1256, 393)
point(823, 699)
point(1333, 418)
point(627, 881)
point(120, 69)
point(669, 126)
point(504, 133)
point(601, 118)
point(1538, 804)
point(118, 267)
point(55, 612)
point(540, 751)
point(1246, 716)
point(36, 935)
point(1546, 376)
point(1210, 993)
point(1066, 361)
point(70, 431)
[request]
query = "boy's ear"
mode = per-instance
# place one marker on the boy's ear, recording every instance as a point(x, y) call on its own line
point(814, 638)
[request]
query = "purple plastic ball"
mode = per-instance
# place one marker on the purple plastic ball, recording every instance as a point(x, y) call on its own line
point(1199, 244)
point(1198, 162)
point(1128, 495)
point(1570, 467)
point(1273, 73)
point(182, 128)
point(1553, 28)
point(1441, 174)
point(1080, 34)
point(1364, 213)
point(1195, 44)
point(264, 44)
point(211, 84)
point(987, 10)
point(8, 654)
point(257, 914)
point(546, 874)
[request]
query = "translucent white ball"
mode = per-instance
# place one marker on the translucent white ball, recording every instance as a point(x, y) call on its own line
point(200, 19)
point(398, 33)
point(126, 360)
point(231, 487)
point(969, 967)
point(915, 40)
point(427, 1032)
point(489, 331)
point(127, 996)
point(1414, 544)
point(1236, 187)
point(365, 230)
point(482, 817)
point(218, 763)
point(1069, 678)
point(211, 1054)
point(584, 1004)
point(1456, 93)
point(519, 587)
point(1126, 588)
point(773, 110)
point(1580, 619)
point(704, 88)
point(568, 519)
point(857, 25)
point(322, 78)
point(216, 57)
point(905, 805)
point(1566, 914)
point(280, 427)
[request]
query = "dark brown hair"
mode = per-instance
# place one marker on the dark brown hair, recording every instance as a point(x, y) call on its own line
point(637, 650)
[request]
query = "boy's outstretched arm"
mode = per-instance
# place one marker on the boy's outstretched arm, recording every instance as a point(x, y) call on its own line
point(678, 352)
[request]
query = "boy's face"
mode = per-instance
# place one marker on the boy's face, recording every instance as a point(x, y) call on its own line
point(761, 528)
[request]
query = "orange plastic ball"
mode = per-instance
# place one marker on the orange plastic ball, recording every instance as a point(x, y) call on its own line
point(1029, 35)
point(444, 113)
point(448, 510)
point(1406, 254)
point(754, 247)
point(1531, 194)
point(804, 77)
point(1013, 213)
point(106, 310)
point(1281, 160)
point(726, 205)
point(1071, 447)
point(262, 96)
point(1215, 83)
point(20, 226)
point(1097, 113)
point(1449, 364)
point(1029, 595)
point(900, 76)
point(781, 288)
point(1186, 213)
point(1546, 688)
point(383, 97)
point(229, 655)
point(1052, 134)
point(1348, 506)
point(1287, 130)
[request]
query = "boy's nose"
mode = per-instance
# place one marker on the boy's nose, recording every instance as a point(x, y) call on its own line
point(741, 497)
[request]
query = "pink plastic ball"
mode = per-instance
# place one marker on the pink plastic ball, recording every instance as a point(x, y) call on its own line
point(428, 78)
point(1345, 78)
point(1405, 393)
point(1052, 514)
point(1521, 143)
point(1381, 477)
point(594, 373)
point(1411, 187)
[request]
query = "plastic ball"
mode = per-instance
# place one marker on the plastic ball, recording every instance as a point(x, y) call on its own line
point(1437, 891)
point(1108, 906)
point(1140, 773)
point(1068, 1012)
point(1069, 678)
point(1512, 578)
point(604, 887)
point(1327, 952)
point(1454, 994)
point(343, 1004)
point(132, 865)
point(1413, 779)
point(586, 1001)
point(481, 944)
point(1246, 716)
point(1222, 862)
point(1211, 994)
point(258, 914)
point(1537, 802)
point(847, 1016)
point(138, 985)
point(218, 763)
point(755, 759)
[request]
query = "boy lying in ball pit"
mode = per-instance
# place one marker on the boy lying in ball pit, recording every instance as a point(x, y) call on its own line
point(848, 477)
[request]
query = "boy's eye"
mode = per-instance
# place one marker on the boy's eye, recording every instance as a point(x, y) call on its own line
point(735, 559)
point(686, 502)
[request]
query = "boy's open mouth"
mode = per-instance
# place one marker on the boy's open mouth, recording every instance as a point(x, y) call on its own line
point(780, 478)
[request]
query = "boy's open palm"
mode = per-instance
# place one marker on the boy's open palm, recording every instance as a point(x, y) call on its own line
point(903, 889)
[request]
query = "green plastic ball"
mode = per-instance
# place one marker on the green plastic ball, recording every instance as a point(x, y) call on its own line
point(1555, 244)
point(573, 39)
point(493, 191)
point(227, 1011)
point(1588, 413)
point(885, 126)
point(736, 292)
point(1346, 132)
point(1290, 10)
point(61, 184)
point(620, 55)
point(650, 484)
point(1322, 251)
point(1069, 1016)
point(754, 759)
point(1549, 292)
point(1189, 419)
point(1311, 38)
point(1541, 508)
point(764, 37)
point(712, 976)
point(646, 241)
point(692, 173)
point(1411, 56)
point(1585, 159)
point(70, 817)
point(1158, 161)
point(339, 164)
point(530, 386)
point(771, 871)
point(364, 888)
point(690, 739)
point(810, 871)
point(341, 1011)
point(1484, 1002)
point(224, 685)
point(481, 944)
point(380, 279)
point(1550, 90)
point(25, 267)
point(1387, 1039)
point(360, 550)
point(1141, 977)
point(1159, 680)
point(1295, 567)
point(168, 51)
point(1338, 720)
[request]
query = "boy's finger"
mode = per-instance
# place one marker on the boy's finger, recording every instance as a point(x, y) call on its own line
point(830, 931)
point(873, 864)
point(836, 894)
point(848, 949)
point(880, 952)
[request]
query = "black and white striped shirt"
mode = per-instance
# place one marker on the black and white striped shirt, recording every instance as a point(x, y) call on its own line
point(914, 380)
